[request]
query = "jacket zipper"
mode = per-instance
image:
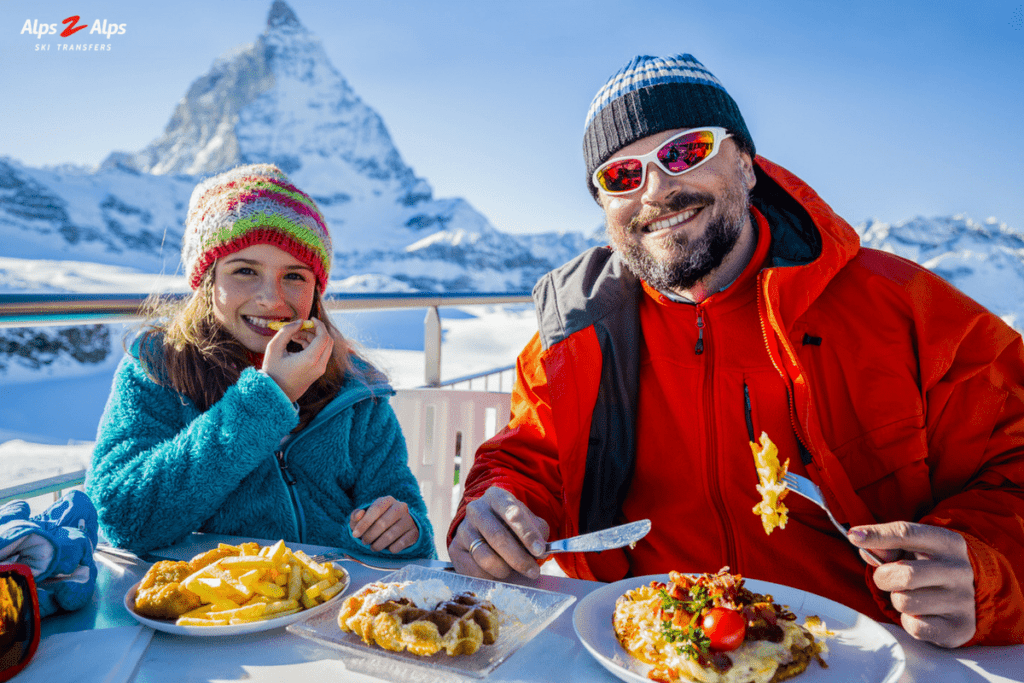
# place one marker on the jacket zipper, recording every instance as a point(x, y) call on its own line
point(282, 458)
point(709, 431)
point(762, 304)
point(748, 412)
point(699, 348)
point(290, 481)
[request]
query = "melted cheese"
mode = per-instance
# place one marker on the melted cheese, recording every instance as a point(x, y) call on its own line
point(638, 627)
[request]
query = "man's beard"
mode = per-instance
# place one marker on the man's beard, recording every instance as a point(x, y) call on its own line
point(688, 261)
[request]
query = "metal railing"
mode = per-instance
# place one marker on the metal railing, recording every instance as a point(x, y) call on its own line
point(485, 381)
point(40, 310)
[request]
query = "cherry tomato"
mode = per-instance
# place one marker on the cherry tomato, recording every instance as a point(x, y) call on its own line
point(725, 628)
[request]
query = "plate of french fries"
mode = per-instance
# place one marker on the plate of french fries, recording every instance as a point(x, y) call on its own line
point(246, 589)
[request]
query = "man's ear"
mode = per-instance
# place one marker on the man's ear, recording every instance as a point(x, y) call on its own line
point(747, 169)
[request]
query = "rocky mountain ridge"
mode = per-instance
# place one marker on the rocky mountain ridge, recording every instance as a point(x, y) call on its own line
point(985, 260)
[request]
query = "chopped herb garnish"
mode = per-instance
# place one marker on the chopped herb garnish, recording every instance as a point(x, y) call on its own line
point(672, 634)
point(668, 603)
point(693, 640)
point(697, 642)
point(699, 599)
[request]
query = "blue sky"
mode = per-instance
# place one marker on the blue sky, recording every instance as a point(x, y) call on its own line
point(889, 110)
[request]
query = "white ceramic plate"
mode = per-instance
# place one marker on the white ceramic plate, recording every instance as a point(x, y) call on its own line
point(405, 666)
point(168, 626)
point(861, 649)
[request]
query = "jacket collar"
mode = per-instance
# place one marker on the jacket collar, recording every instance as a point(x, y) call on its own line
point(810, 242)
point(362, 382)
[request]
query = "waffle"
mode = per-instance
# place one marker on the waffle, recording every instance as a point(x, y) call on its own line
point(459, 625)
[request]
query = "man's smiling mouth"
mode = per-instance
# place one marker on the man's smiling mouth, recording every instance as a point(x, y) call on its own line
point(672, 221)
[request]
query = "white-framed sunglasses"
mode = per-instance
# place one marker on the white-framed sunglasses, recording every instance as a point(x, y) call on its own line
point(678, 154)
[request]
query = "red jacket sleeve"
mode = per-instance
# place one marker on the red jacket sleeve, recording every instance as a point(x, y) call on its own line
point(523, 457)
point(976, 435)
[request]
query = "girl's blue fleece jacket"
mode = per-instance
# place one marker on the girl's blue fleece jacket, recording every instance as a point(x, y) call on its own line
point(162, 469)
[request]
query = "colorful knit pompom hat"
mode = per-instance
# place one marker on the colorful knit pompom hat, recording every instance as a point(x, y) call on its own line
point(250, 205)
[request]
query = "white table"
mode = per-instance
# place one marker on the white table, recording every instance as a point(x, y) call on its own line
point(554, 655)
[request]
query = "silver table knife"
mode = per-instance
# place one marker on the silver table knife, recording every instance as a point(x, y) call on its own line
point(606, 539)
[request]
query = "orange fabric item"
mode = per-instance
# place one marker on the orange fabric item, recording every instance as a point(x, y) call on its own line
point(930, 431)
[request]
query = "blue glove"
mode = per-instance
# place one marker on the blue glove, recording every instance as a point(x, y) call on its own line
point(57, 545)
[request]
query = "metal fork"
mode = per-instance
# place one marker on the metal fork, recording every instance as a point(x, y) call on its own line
point(340, 556)
point(802, 486)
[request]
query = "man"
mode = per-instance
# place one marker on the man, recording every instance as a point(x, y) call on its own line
point(732, 302)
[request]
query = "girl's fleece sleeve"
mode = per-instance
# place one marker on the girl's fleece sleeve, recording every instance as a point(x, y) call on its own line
point(382, 460)
point(161, 468)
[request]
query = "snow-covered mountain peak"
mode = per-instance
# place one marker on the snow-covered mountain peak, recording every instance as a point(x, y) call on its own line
point(294, 52)
point(281, 16)
point(281, 100)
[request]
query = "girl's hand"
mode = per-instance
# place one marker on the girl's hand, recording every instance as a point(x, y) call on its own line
point(296, 371)
point(387, 523)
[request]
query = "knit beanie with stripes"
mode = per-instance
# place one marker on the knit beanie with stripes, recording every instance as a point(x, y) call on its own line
point(651, 95)
point(250, 205)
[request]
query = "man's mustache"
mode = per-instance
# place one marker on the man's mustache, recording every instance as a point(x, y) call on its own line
point(652, 212)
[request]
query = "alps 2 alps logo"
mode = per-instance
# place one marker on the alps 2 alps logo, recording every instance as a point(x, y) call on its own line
point(71, 26)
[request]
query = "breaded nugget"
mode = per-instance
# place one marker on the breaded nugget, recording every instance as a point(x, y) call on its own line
point(160, 594)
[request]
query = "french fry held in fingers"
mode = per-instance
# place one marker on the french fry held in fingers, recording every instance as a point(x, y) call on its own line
point(278, 324)
point(247, 583)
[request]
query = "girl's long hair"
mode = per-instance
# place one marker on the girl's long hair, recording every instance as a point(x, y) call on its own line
point(183, 347)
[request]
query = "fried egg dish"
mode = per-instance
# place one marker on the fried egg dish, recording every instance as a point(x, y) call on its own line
point(770, 473)
point(712, 629)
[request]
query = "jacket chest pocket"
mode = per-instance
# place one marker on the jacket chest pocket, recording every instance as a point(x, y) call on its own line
point(766, 408)
point(872, 417)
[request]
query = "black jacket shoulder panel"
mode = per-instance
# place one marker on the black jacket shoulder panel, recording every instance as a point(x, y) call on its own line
point(597, 290)
point(582, 292)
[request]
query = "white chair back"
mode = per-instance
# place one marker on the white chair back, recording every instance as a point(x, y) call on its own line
point(443, 428)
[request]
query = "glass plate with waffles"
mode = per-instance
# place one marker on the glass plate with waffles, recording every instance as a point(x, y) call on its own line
point(420, 623)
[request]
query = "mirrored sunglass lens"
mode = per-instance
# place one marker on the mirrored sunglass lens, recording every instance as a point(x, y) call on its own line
point(621, 176)
point(687, 151)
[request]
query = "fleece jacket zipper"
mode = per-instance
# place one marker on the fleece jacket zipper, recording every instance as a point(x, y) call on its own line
point(325, 415)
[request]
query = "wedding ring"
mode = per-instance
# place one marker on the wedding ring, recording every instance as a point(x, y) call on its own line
point(476, 544)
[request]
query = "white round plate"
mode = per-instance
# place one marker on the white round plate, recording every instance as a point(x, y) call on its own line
point(168, 626)
point(861, 649)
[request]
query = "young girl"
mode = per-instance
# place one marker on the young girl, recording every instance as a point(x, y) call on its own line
point(219, 422)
